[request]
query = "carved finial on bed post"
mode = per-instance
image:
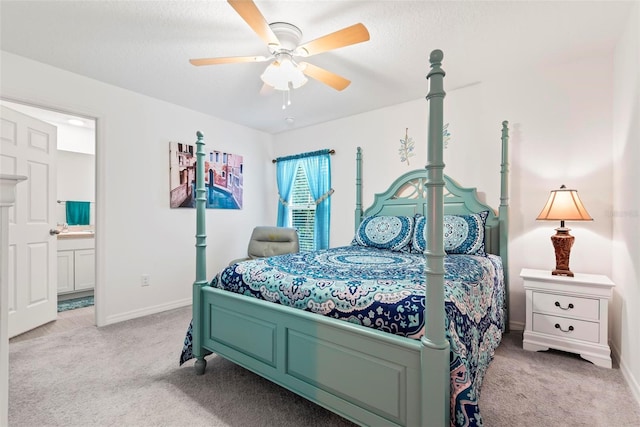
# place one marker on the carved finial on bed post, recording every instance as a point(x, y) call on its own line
point(435, 96)
point(201, 257)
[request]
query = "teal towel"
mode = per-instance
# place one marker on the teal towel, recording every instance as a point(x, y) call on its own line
point(77, 213)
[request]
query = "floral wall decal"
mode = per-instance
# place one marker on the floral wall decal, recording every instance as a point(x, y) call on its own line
point(406, 147)
point(446, 136)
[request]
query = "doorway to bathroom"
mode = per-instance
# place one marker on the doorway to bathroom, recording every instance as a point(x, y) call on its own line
point(72, 220)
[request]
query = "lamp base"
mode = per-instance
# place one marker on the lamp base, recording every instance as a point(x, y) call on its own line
point(562, 242)
point(562, 273)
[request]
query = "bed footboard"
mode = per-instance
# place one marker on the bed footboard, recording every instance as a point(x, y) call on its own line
point(367, 376)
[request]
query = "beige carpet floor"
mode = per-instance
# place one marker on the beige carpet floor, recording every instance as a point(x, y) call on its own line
point(127, 374)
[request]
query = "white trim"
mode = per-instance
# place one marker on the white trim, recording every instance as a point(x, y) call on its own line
point(134, 314)
point(516, 326)
point(626, 373)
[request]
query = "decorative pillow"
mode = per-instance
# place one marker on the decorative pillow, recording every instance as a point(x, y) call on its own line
point(385, 232)
point(463, 234)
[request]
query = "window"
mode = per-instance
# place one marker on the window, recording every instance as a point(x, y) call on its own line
point(304, 202)
point(302, 210)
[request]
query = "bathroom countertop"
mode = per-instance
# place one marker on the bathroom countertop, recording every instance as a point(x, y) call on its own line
point(76, 235)
point(76, 232)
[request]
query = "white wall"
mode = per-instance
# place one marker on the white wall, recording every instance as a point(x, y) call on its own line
point(561, 126)
point(626, 203)
point(137, 233)
point(76, 181)
point(77, 139)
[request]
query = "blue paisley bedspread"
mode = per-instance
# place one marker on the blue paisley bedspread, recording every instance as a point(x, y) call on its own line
point(384, 289)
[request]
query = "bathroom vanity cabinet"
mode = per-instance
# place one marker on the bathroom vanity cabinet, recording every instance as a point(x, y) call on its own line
point(76, 264)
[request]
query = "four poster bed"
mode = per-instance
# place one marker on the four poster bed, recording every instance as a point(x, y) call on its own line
point(355, 329)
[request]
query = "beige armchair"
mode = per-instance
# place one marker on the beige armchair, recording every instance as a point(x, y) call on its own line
point(270, 241)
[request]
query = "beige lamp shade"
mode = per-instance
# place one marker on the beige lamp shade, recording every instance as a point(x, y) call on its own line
point(564, 205)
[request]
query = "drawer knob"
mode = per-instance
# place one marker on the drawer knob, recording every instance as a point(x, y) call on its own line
point(564, 330)
point(569, 307)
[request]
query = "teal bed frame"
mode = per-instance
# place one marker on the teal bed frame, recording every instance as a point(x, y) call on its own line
point(368, 376)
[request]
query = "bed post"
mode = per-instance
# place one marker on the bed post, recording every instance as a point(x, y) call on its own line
point(503, 215)
point(435, 347)
point(358, 215)
point(201, 258)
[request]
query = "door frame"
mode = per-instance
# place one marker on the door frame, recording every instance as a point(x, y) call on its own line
point(100, 233)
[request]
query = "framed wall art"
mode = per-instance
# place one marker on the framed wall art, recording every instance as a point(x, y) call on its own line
point(223, 178)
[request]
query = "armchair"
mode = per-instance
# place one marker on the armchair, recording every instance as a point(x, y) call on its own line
point(270, 241)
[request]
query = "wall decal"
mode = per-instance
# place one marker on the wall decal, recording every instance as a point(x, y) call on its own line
point(446, 136)
point(406, 147)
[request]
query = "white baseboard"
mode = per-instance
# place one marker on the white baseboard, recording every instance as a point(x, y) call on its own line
point(516, 326)
point(626, 373)
point(134, 314)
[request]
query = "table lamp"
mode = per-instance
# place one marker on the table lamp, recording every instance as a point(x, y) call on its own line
point(563, 205)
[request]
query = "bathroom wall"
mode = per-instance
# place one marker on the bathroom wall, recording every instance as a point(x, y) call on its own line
point(76, 181)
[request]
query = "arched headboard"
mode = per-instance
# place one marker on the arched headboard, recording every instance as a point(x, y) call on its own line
point(407, 195)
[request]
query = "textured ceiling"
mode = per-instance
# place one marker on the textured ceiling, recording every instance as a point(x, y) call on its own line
point(144, 46)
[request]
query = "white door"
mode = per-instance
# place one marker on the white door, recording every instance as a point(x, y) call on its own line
point(28, 147)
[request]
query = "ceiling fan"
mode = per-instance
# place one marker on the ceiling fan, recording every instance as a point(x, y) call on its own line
point(283, 41)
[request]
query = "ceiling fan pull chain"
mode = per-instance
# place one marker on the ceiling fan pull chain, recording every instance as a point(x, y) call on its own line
point(286, 98)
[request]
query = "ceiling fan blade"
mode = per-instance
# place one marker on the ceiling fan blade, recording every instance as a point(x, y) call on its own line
point(252, 16)
point(327, 77)
point(227, 60)
point(357, 33)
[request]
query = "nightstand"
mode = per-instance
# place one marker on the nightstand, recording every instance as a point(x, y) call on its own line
point(568, 314)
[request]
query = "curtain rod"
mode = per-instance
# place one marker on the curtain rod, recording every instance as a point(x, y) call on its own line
point(332, 151)
point(65, 201)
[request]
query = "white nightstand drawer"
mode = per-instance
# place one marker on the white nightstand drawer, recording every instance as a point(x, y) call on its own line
point(566, 328)
point(565, 305)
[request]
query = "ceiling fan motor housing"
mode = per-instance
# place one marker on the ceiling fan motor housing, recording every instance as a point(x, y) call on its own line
point(289, 36)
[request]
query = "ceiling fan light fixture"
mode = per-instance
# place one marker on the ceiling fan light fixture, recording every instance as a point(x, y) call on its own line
point(284, 74)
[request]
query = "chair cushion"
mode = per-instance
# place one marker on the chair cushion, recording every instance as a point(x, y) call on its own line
point(269, 241)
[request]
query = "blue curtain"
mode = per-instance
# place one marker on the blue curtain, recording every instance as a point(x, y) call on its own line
point(285, 174)
point(320, 188)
